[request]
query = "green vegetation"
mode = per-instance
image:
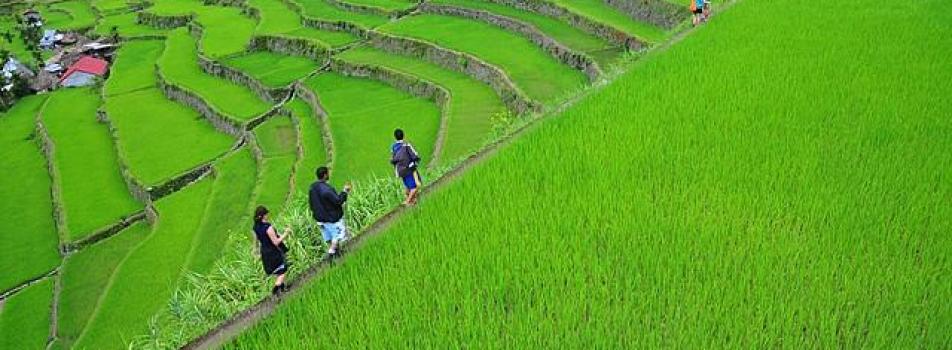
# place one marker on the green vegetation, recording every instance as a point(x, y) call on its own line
point(226, 30)
point(279, 19)
point(312, 145)
point(92, 190)
point(598, 11)
point(228, 209)
point(142, 117)
point(602, 51)
point(363, 132)
point(272, 69)
point(87, 275)
point(126, 25)
point(386, 5)
point(179, 64)
point(144, 281)
point(134, 67)
point(471, 107)
point(26, 210)
point(802, 206)
point(278, 141)
point(538, 74)
point(25, 317)
point(109, 6)
point(15, 46)
point(69, 15)
point(322, 10)
point(141, 120)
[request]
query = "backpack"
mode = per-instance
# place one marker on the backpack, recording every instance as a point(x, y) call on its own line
point(414, 160)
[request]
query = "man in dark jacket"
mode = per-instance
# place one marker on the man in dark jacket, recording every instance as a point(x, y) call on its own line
point(327, 207)
point(405, 161)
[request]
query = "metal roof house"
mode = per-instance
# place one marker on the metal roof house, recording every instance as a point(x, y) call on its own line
point(84, 72)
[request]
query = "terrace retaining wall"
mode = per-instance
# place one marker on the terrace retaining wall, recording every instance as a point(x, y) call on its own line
point(163, 22)
point(49, 150)
point(600, 30)
point(337, 26)
point(556, 49)
point(272, 95)
point(514, 98)
point(188, 98)
point(373, 10)
point(137, 190)
point(321, 114)
point(104, 233)
point(658, 12)
point(290, 46)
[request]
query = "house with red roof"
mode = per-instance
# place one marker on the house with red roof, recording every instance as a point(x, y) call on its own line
point(84, 72)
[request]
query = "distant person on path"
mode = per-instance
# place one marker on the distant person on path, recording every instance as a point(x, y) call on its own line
point(697, 8)
point(405, 161)
point(327, 207)
point(272, 248)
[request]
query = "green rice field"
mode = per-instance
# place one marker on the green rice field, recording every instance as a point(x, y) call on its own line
point(766, 179)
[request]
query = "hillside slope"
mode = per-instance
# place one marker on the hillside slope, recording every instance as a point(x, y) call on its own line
point(778, 179)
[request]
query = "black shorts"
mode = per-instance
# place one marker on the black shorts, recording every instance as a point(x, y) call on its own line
point(699, 10)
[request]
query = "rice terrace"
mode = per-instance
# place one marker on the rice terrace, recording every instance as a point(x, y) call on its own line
point(442, 174)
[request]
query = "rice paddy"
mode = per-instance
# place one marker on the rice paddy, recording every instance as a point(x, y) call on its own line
point(770, 179)
point(93, 193)
point(538, 74)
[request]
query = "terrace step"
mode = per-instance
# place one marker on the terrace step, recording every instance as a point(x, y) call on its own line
point(468, 107)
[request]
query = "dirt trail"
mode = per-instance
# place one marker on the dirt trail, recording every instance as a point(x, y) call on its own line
point(229, 329)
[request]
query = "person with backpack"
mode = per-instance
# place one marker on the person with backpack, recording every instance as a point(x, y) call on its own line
point(272, 248)
point(405, 161)
point(327, 208)
point(697, 8)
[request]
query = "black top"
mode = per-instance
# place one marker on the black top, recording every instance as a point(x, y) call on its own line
point(326, 204)
point(261, 232)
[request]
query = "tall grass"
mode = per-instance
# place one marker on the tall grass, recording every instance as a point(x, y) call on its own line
point(772, 181)
point(236, 282)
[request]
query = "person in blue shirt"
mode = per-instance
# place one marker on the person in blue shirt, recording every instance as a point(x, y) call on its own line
point(698, 10)
point(405, 161)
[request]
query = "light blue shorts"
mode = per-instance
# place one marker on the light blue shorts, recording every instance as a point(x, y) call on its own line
point(333, 230)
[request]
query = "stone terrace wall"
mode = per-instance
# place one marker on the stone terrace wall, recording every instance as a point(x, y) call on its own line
point(290, 46)
point(336, 26)
point(600, 30)
point(369, 9)
point(658, 12)
point(188, 98)
point(562, 53)
point(265, 93)
point(163, 22)
point(318, 109)
point(514, 98)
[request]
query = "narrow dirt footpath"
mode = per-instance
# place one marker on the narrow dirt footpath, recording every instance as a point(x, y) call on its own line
point(218, 336)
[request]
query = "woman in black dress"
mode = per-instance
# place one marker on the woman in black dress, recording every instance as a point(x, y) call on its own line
point(272, 248)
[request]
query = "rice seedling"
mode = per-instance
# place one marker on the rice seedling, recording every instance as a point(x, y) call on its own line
point(601, 12)
point(93, 192)
point(471, 104)
point(25, 317)
point(538, 74)
point(363, 132)
point(795, 206)
point(322, 10)
point(26, 210)
point(126, 25)
point(78, 15)
point(179, 64)
point(277, 18)
point(272, 69)
point(85, 278)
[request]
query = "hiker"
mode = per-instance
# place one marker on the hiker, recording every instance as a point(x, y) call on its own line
point(272, 248)
point(405, 161)
point(327, 207)
point(697, 8)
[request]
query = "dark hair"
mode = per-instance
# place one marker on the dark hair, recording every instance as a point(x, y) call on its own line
point(398, 134)
point(322, 173)
point(260, 212)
